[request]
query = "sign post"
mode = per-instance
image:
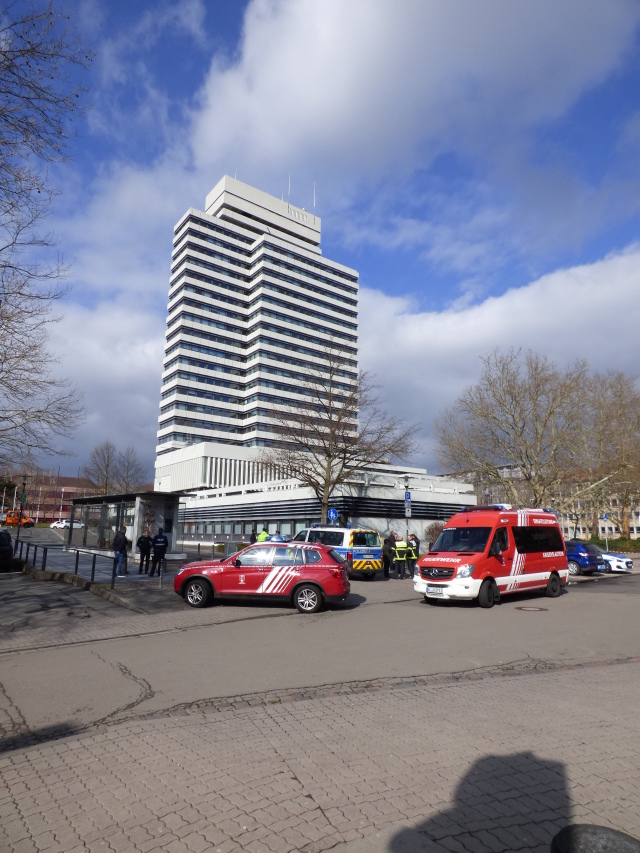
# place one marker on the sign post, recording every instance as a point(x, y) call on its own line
point(407, 510)
point(606, 535)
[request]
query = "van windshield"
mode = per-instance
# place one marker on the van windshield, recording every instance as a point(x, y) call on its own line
point(472, 539)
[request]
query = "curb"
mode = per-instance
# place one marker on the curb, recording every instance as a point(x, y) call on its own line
point(77, 580)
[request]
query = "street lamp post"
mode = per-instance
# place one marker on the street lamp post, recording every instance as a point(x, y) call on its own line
point(23, 498)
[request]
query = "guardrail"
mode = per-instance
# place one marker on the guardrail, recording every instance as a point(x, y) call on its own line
point(63, 549)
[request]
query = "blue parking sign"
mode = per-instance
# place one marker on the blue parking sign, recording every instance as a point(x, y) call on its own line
point(332, 514)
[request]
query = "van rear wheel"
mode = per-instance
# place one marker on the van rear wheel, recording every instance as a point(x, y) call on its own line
point(554, 587)
point(486, 596)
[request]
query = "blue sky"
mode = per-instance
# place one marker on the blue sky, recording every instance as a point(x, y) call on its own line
point(476, 160)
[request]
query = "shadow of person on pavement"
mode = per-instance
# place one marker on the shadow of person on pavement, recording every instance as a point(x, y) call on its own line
point(503, 803)
point(29, 737)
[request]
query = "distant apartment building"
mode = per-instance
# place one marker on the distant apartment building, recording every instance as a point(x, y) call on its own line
point(49, 495)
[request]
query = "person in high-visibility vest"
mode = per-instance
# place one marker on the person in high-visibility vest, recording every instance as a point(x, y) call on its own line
point(412, 554)
point(399, 553)
point(263, 535)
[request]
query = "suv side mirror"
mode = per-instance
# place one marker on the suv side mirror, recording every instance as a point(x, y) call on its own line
point(237, 562)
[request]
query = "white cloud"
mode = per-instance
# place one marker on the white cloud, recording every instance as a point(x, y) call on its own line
point(113, 352)
point(360, 96)
point(355, 89)
point(423, 360)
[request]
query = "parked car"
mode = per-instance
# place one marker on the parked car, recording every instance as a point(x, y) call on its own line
point(65, 524)
point(616, 562)
point(584, 558)
point(305, 575)
point(6, 551)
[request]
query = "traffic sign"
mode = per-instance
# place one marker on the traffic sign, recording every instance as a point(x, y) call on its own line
point(604, 517)
point(332, 514)
point(407, 497)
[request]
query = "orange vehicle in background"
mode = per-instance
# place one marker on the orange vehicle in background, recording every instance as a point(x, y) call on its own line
point(13, 519)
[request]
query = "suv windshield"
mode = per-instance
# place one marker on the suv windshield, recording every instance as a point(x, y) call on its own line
point(473, 539)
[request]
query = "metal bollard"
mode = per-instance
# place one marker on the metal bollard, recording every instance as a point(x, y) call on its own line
point(35, 554)
point(21, 544)
point(93, 568)
point(198, 550)
point(77, 561)
point(113, 574)
point(26, 559)
point(44, 558)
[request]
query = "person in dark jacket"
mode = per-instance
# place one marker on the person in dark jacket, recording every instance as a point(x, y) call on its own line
point(120, 552)
point(144, 546)
point(414, 543)
point(160, 544)
point(254, 536)
point(386, 556)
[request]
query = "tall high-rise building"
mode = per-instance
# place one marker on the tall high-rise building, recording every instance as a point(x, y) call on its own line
point(253, 306)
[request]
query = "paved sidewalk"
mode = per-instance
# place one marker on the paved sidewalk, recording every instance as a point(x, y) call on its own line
point(484, 764)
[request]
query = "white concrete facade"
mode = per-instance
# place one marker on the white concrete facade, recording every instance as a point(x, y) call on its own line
point(372, 500)
point(252, 306)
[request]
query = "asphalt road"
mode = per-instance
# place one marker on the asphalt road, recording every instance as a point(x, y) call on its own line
point(107, 663)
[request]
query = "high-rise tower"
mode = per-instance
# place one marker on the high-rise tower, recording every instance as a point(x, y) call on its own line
point(253, 305)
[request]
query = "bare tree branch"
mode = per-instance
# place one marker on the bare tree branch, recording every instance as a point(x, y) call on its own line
point(542, 435)
point(36, 101)
point(335, 426)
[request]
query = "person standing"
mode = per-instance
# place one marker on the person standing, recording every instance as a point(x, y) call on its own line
point(144, 546)
point(399, 553)
point(263, 535)
point(120, 552)
point(414, 545)
point(386, 556)
point(160, 544)
point(254, 536)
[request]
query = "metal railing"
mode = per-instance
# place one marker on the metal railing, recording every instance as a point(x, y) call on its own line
point(29, 552)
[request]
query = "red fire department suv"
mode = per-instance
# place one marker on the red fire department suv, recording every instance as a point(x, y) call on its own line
point(304, 574)
point(485, 552)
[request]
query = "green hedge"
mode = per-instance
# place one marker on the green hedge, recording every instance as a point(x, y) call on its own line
point(620, 545)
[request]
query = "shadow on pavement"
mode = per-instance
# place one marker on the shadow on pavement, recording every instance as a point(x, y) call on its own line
point(46, 734)
point(504, 802)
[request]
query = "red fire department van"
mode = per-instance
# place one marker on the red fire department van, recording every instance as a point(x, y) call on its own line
point(486, 552)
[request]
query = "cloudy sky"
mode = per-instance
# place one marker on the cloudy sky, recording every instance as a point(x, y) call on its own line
point(476, 160)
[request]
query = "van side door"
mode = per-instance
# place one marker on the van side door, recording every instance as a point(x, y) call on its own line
point(501, 556)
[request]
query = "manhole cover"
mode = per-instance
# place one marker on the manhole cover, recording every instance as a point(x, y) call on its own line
point(533, 609)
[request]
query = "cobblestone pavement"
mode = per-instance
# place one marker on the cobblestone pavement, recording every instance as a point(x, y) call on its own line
point(479, 763)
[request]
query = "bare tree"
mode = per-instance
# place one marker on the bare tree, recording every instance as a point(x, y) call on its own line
point(36, 100)
point(112, 470)
point(433, 531)
point(610, 445)
point(129, 475)
point(335, 427)
point(534, 434)
point(102, 467)
point(516, 427)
